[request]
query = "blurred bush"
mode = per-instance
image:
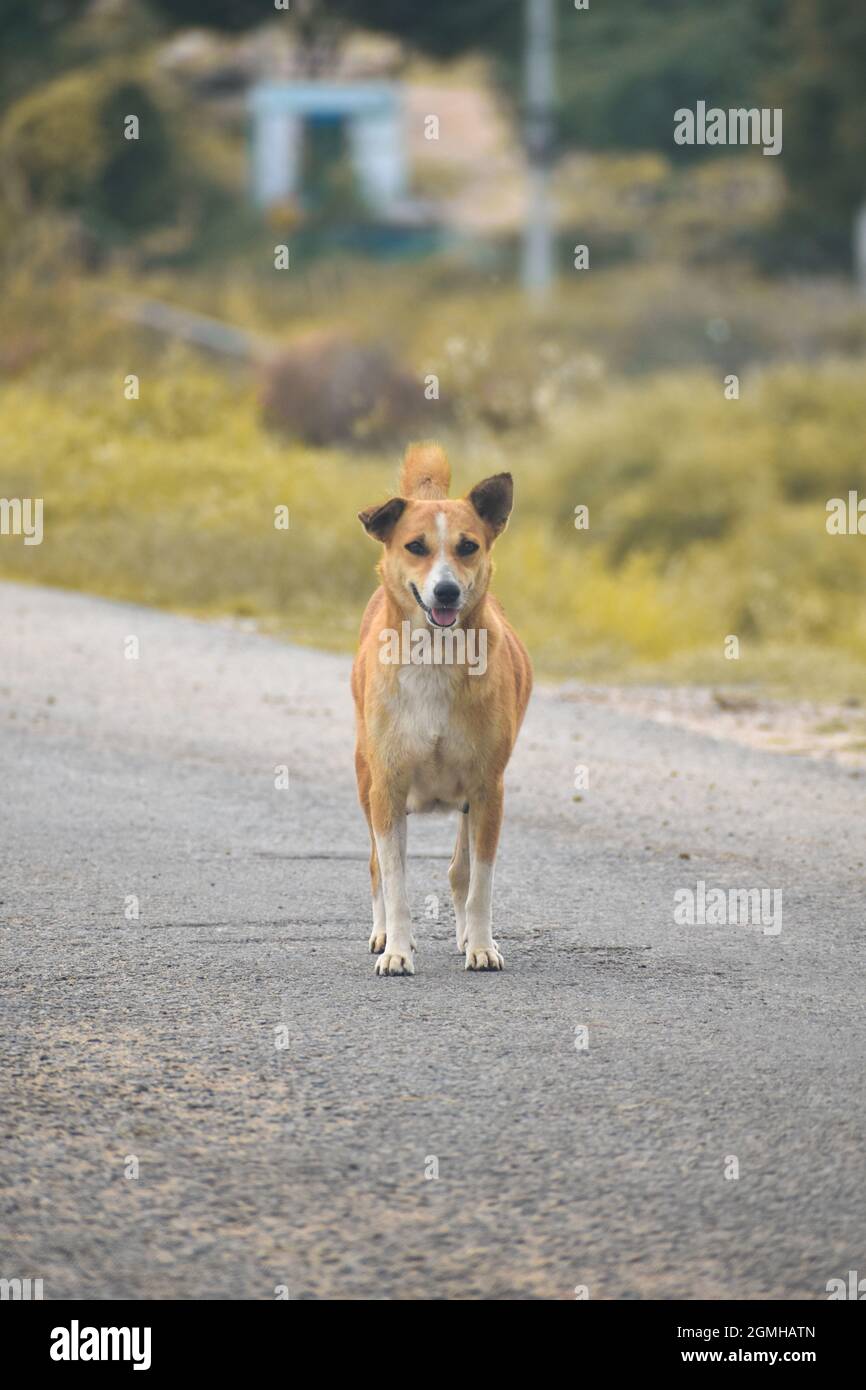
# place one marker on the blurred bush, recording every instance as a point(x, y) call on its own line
point(63, 151)
point(707, 516)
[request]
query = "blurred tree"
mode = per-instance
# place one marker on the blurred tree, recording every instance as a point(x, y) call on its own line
point(141, 184)
point(62, 147)
point(33, 35)
point(821, 87)
point(624, 71)
point(444, 29)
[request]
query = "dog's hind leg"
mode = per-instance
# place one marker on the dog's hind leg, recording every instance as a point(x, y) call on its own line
point(403, 830)
point(378, 934)
point(458, 877)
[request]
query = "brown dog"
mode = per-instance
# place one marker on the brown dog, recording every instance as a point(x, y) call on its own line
point(441, 684)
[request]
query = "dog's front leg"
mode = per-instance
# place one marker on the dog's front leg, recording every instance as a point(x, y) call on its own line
point(485, 820)
point(388, 813)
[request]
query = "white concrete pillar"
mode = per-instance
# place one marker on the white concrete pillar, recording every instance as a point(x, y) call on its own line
point(277, 145)
point(376, 145)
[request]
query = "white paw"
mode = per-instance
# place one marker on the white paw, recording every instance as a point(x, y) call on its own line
point(395, 963)
point(486, 958)
point(461, 936)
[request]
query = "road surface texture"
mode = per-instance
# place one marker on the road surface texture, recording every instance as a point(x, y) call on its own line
point(286, 1111)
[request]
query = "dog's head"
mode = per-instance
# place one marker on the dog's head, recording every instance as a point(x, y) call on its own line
point(437, 553)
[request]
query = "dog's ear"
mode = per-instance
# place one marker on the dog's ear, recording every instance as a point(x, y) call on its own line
point(492, 500)
point(380, 521)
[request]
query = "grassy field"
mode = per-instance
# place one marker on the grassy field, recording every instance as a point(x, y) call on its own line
point(706, 515)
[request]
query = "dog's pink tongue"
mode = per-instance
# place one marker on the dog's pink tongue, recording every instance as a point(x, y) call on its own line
point(444, 617)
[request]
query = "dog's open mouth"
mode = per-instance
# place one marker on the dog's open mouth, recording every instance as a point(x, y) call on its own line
point(444, 617)
point(439, 617)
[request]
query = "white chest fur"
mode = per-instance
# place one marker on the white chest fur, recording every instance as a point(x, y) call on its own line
point(429, 736)
point(423, 704)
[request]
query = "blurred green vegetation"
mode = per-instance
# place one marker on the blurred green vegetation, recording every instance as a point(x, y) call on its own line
point(65, 161)
point(707, 515)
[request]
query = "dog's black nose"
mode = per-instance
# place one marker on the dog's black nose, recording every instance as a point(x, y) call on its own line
point(446, 593)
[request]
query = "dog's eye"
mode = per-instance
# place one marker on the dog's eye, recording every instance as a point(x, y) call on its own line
point(417, 548)
point(467, 547)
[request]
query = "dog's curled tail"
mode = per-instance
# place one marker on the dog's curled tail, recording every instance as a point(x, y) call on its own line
point(426, 472)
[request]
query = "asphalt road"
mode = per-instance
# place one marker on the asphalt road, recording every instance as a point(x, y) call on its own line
point(154, 1040)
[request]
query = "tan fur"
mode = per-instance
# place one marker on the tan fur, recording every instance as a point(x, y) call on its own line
point(437, 737)
point(426, 472)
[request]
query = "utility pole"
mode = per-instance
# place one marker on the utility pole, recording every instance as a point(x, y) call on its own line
point(538, 236)
point(860, 250)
